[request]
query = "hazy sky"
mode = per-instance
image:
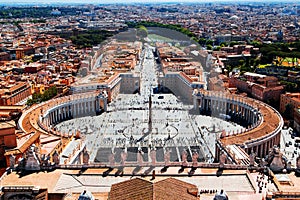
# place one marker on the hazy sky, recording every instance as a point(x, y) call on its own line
point(86, 1)
point(120, 1)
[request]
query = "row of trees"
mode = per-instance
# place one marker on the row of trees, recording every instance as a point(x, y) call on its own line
point(176, 27)
point(90, 38)
point(208, 43)
point(284, 50)
point(38, 11)
point(38, 97)
point(283, 46)
point(290, 86)
point(21, 12)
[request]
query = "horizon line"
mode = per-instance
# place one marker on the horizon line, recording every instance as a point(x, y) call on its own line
point(16, 3)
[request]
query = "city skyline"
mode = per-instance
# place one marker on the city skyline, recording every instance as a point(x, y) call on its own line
point(42, 2)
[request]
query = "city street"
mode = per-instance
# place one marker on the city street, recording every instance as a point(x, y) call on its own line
point(289, 146)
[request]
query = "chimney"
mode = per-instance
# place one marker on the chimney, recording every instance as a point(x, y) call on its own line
point(193, 191)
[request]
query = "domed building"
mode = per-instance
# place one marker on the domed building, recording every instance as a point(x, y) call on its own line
point(86, 195)
point(234, 17)
point(221, 195)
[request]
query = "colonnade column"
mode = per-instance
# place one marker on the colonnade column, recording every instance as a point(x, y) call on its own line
point(60, 111)
point(105, 105)
point(52, 118)
point(74, 110)
point(218, 105)
point(250, 116)
point(94, 106)
point(271, 142)
point(277, 139)
point(70, 107)
point(56, 116)
point(82, 107)
point(59, 114)
point(195, 102)
point(266, 148)
point(64, 113)
point(89, 106)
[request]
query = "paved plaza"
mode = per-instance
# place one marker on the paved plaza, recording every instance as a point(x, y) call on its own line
point(139, 123)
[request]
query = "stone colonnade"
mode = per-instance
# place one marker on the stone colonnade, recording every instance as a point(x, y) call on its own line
point(261, 147)
point(243, 111)
point(226, 106)
point(76, 106)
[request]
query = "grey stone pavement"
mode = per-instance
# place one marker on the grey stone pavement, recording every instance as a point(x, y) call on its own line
point(125, 125)
point(289, 146)
point(98, 183)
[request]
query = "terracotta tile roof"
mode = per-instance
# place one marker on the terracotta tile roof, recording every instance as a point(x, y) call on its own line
point(135, 189)
point(18, 86)
point(112, 78)
point(186, 77)
point(12, 108)
point(174, 189)
point(170, 188)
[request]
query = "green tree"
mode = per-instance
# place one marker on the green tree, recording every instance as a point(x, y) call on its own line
point(142, 31)
point(209, 42)
point(232, 43)
point(223, 44)
point(241, 62)
point(202, 41)
point(29, 102)
point(89, 38)
point(217, 48)
point(209, 47)
point(38, 97)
